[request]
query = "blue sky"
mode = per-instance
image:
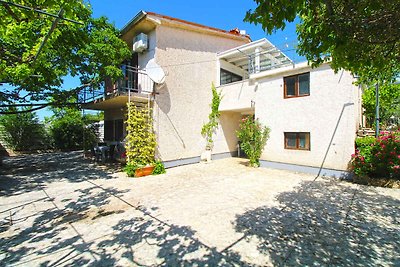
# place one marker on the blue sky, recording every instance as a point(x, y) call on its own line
point(223, 14)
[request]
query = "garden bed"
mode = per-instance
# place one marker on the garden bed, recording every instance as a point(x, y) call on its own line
point(382, 182)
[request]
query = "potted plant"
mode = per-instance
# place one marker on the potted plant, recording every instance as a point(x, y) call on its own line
point(209, 128)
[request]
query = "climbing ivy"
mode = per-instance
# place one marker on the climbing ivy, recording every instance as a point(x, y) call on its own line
point(209, 128)
point(141, 139)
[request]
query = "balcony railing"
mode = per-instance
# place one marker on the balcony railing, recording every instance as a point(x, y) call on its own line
point(135, 81)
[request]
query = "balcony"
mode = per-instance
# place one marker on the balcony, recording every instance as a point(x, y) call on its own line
point(238, 96)
point(239, 69)
point(136, 86)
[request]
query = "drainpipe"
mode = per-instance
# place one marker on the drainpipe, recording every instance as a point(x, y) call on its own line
point(377, 110)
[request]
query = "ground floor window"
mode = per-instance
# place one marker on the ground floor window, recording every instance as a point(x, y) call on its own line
point(300, 141)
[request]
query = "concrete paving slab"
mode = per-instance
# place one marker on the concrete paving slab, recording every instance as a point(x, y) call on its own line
point(217, 214)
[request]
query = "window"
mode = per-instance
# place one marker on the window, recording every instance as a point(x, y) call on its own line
point(229, 77)
point(297, 85)
point(300, 141)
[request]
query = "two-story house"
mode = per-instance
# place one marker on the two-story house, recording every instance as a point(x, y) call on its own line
point(187, 54)
point(313, 114)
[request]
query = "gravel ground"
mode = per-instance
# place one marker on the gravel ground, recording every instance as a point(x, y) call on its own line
point(61, 210)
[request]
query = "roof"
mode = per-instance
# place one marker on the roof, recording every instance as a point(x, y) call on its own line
point(262, 51)
point(235, 33)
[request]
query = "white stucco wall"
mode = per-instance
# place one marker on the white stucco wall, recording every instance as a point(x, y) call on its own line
point(183, 103)
point(329, 114)
point(237, 96)
point(148, 54)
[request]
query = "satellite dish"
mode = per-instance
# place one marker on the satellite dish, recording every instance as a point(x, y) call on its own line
point(155, 72)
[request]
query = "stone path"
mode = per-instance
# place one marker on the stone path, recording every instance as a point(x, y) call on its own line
point(60, 210)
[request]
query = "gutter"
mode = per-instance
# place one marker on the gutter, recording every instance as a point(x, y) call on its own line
point(139, 16)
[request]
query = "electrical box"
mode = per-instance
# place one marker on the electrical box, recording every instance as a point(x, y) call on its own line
point(140, 43)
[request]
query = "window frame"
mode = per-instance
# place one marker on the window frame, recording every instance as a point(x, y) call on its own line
point(231, 75)
point(296, 86)
point(308, 141)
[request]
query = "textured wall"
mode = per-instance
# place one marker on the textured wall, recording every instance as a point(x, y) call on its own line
point(183, 103)
point(330, 115)
point(237, 96)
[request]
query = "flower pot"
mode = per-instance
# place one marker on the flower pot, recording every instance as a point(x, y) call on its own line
point(144, 171)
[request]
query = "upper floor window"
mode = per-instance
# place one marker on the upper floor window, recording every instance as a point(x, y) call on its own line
point(297, 85)
point(299, 141)
point(229, 77)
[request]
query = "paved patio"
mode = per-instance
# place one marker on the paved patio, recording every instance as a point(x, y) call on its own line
point(58, 209)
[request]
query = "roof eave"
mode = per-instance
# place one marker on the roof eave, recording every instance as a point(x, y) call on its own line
point(139, 16)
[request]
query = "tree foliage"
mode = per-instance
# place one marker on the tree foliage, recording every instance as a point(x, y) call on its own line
point(362, 36)
point(90, 51)
point(71, 130)
point(389, 103)
point(23, 132)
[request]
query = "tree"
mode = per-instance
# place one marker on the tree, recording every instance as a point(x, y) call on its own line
point(24, 132)
point(389, 98)
point(37, 50)
point(362, 36)
point(71, 130)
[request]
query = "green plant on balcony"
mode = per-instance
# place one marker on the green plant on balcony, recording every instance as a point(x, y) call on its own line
point(209, 128)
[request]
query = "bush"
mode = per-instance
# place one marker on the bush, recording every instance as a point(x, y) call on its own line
point(131, 168)
point(71, 131)
point(253, 137)
point(378, 158)
point(22, 131)
point(158, 167)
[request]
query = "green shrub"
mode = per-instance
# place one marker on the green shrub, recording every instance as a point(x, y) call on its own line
point(158, 167)
point(70, 130)
point(253, 137)
point(365, 142)
point(23, 131)
point(131, 168)
point(378, 158)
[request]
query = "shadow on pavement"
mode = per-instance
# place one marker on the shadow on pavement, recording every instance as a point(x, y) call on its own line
point(22, 174)
point(328, 223)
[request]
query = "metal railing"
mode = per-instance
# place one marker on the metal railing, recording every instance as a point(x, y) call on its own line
point(135, 81)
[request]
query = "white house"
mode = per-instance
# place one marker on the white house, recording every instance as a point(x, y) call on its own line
point(313, 113)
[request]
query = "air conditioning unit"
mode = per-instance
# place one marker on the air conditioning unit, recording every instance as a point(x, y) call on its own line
point(140, 43)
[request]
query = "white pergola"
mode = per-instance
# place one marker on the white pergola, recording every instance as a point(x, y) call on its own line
point(255, 57)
